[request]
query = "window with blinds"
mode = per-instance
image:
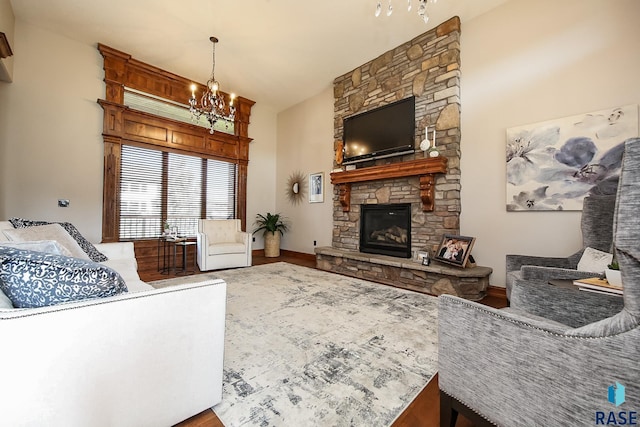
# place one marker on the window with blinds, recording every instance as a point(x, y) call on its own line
point(171, 110)
point(158, 187)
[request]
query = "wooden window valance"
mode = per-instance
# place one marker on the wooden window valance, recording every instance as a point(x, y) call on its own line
point(123, 125)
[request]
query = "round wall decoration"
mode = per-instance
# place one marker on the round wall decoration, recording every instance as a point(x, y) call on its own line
point(296, 186)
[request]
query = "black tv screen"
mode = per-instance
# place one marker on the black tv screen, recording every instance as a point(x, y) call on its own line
point(383, 131)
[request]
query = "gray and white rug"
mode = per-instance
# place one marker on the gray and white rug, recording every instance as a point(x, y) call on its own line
point(306, 347)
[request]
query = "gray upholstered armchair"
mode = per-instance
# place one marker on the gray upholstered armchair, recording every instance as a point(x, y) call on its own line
point(554, 356)
point(596, 225)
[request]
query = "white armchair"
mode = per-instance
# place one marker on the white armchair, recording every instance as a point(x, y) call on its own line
point(222, 244)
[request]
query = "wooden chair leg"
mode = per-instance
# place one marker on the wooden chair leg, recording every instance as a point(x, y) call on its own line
point(448, 415)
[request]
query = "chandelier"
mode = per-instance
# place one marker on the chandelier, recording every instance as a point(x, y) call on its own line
point(212, 104)
point(422, 8)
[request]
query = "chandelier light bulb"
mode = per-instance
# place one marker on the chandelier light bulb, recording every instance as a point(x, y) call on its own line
point(422, 8)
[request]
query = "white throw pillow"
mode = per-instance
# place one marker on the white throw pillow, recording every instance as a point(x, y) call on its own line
point(47, 246)
point(594, 261)
point(47, 232)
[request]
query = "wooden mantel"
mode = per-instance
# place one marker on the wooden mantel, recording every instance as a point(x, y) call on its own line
point(424, 168)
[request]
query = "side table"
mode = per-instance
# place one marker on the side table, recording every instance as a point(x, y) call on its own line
point(184, 244)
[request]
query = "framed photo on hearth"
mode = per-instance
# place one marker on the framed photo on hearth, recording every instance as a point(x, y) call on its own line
point(454, 249)
point(316, 187)
point(420, 256)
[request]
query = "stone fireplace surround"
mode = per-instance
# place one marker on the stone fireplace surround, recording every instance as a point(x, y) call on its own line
point(427, 67)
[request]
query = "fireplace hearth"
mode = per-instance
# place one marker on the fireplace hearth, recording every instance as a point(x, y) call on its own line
point(385, 229)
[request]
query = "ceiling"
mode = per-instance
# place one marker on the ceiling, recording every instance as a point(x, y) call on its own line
point(275, 52)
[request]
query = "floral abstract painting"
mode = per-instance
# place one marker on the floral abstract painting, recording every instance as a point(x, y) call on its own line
point(553, 165)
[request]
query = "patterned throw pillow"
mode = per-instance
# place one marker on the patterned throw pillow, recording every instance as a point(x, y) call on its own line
point(86, 245)
point(37, 279)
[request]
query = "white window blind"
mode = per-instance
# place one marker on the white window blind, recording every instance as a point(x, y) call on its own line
point(158, 187)
point(140, 193)
point(221, 194)
point(184, 193)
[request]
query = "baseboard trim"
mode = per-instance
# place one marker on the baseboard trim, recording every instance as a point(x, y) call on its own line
point(497, 291)
point(284, 252)
point(300, 255)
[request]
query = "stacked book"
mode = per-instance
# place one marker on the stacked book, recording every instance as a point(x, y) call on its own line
point(596, 284)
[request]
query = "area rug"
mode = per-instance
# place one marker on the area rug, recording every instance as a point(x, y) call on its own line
point(305, 347)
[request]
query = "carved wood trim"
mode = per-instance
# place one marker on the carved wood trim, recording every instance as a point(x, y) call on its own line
point(111, 190)
point(5, 48)
point(124, 125)
point(426, 192)
point(424, 168)
point(344, 195)
point(137, 126)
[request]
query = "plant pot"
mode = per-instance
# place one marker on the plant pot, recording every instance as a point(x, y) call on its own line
point(613, 277)
point(272, 245)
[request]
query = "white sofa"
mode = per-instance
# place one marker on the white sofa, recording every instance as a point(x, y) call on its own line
point(222, 244)
point(149, 357)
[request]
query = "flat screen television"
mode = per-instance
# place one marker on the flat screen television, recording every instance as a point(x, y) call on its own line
point(382, 132)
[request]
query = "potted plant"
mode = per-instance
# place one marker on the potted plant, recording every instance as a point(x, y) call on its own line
point(613, 273)
point(274, 227)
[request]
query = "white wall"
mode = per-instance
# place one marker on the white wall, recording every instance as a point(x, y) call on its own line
point(50, 131)
point(261, 179)
point(526, 62)
point(50, 135)
point(305, 144)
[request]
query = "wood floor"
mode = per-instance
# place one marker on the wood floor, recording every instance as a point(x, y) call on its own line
point(424, 411)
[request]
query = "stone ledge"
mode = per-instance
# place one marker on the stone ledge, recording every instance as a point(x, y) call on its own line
point(436, 279)
point(435, 267)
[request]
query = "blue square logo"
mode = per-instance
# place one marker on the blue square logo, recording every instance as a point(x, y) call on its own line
point(616, 394)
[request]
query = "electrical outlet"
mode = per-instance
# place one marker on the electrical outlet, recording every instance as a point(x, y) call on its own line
point(63, 203)
point(314, 243)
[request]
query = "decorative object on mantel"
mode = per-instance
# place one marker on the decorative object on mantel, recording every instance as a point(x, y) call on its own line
point(455, 250)
point(422, 257)
point(5, 49)
point(274, 226)
point(339, 152)
point(429, 148)
point(295, 187)
point(212, 104)
point(316, 187)
point(422, 8)
point(553, 165)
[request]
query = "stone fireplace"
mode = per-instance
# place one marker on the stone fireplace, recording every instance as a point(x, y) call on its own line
point(385, 229)
point(427, 67)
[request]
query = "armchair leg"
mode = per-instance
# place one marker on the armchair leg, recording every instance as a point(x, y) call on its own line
point(451, 407)
point(448, 415)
